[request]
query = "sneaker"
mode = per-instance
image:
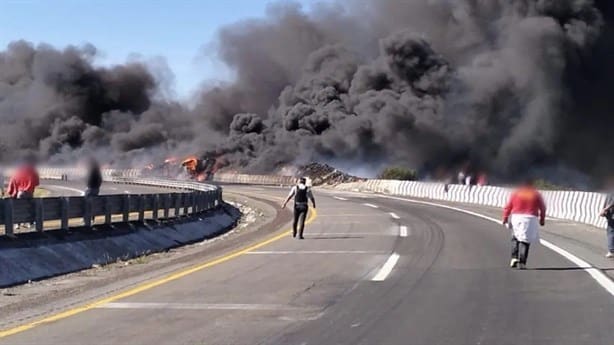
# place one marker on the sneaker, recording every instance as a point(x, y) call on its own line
point(610, 255)
point(522, 266)
point(514, 263)
point(301, 238)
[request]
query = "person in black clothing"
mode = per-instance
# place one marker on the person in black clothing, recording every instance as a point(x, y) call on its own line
point(93, 178)
point(302, 194)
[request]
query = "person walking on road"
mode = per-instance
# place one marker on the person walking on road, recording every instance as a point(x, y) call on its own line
point(524, 210)
point(608, 213)
point(93, 178)
point(301, 194)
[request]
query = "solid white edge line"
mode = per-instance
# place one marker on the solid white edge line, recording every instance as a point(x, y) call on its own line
point(75, 190)
point(595, 273)
point(403, 231)
point(394, 215)
point(383, 272)
point(371, 205)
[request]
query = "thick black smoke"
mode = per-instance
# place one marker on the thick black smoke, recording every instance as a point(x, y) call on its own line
point(508, 85)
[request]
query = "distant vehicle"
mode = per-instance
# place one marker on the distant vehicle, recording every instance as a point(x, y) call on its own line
point(200, 169)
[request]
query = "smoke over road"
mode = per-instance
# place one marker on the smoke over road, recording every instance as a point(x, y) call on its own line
point(509, 85)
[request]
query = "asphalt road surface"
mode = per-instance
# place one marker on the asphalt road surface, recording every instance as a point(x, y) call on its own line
point(370, 271)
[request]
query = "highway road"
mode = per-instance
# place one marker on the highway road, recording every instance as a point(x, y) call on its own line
point(370, 271)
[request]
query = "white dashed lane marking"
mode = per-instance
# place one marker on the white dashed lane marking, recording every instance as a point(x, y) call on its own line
point(403, 231)
point(383, 272)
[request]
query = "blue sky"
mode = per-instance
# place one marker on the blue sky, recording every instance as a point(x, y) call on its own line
point(178, 30)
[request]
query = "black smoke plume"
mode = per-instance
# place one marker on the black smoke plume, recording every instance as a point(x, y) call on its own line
point(508, 85)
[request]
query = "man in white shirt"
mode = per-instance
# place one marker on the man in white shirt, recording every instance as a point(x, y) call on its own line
point(301, 194)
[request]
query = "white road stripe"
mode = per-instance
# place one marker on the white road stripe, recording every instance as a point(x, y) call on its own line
point(383, 272)
point(197, 306)
point(75, 190)
point(371, 205)
point(340, 198)
point(394, 215)
point(600, 277)
point(403, 231)
point(285, 252)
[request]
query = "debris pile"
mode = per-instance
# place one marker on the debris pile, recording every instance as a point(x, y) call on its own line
point(321, 174)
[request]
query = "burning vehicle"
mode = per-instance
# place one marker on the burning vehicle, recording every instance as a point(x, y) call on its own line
point(192, 167)
point(200, 169)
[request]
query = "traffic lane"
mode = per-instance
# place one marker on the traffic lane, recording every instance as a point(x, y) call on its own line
point(469, 295)
point(74, 188)
point(244, 300)
point(585, 241)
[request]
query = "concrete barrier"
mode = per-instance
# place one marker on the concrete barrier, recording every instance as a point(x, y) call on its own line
point(270, 180)
point(581, 207)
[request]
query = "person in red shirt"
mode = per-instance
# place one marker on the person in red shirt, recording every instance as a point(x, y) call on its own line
point(524, 210)
point(22, 184)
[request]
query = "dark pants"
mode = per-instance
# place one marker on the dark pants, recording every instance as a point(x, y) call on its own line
point(300, 213)
point(520, 250)
point(610, 235)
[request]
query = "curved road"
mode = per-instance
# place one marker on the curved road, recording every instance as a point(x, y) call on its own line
point(371, 271)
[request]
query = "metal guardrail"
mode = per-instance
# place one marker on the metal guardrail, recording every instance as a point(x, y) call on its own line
point(198, 197)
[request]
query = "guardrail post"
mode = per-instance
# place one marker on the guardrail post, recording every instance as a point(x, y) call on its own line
point(87, 214)
point(203, 201)
point(8, 217)
point(155, 203)
point(207, 200)
point(195, 206)
point(126, 208)
point(64, 204)
point(167, 205)
point(186, 203)
point(177, 204)
point(107, 210)
point(141, 199)
point(39, 213)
